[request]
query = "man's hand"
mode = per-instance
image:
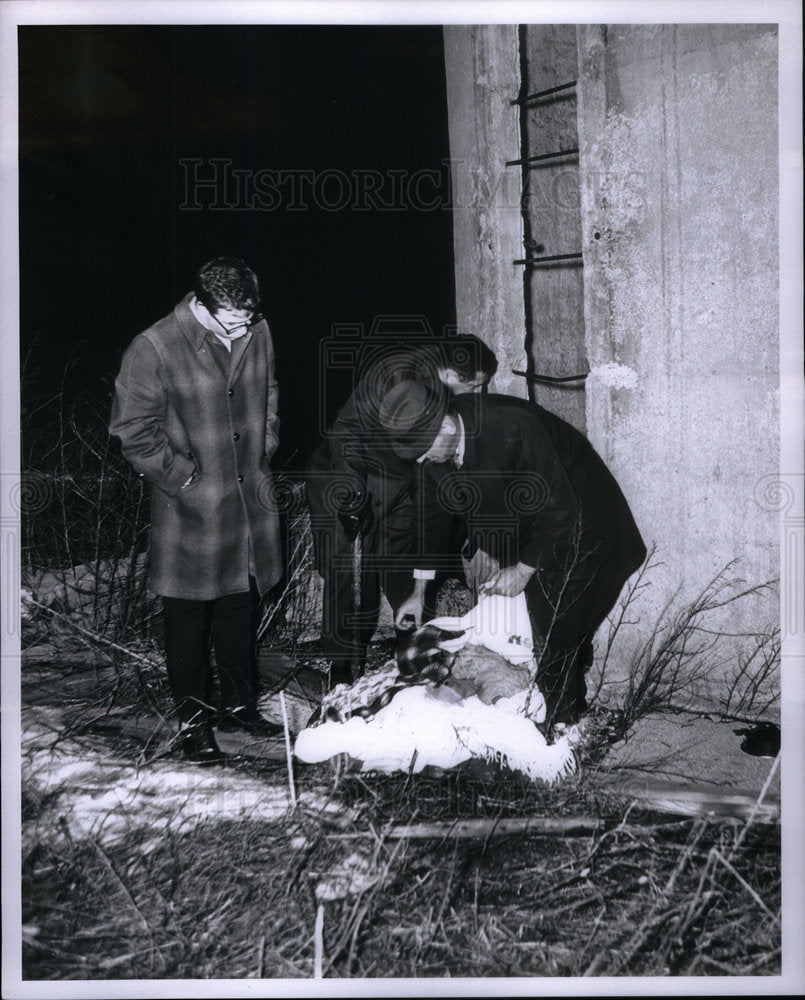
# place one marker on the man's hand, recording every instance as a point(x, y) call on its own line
point(482, 568)
point(508, 582)
point(412, 606)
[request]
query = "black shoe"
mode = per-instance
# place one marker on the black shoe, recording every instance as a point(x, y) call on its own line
point(246, 720)
point(198, 745)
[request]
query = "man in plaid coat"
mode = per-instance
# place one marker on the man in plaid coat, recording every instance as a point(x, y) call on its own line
point(195, 409)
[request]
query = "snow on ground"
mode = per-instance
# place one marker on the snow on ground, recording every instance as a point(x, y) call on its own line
point(107, 799)
point(419, 728)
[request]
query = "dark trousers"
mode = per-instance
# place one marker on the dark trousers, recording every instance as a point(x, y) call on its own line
point(387, 562)
point(567, 605)
point(561, 681)
point(228, 625)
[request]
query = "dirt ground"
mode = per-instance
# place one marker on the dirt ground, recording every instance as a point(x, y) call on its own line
point(694, 749)
point(132, 857)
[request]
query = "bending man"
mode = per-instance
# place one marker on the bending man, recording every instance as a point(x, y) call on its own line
point(358, 485)
point(543, 515)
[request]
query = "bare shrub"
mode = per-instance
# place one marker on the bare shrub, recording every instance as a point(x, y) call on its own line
point(85, 529)
point(672, 669)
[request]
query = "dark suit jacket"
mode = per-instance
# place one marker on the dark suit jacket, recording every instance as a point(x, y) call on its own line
point(532, 489)
point(355, 455)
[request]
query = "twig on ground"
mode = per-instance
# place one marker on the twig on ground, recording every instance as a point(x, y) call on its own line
point(288, 753)
point(318, 939)
point(111, 869)
point(90, 636)
point(94, 637)
point(477, 828)
point(720, 857)
point(758, 803)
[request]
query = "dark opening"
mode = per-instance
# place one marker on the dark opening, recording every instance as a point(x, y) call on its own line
point(320, 154)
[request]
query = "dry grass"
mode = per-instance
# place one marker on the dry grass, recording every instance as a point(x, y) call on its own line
point(239, 898)
point(647, 896)
point(672, 669)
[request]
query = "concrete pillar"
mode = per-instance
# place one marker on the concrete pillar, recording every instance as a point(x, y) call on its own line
point(679, 185)
point(483, 78)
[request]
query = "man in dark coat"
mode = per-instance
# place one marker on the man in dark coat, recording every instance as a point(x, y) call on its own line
point(195, 409)
point(543, 514)
point(357, 485)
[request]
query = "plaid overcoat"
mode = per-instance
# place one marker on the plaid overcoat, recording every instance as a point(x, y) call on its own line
point(183, 402)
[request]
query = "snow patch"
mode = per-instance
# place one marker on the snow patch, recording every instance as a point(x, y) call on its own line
point(418, 729)
point(109, 799)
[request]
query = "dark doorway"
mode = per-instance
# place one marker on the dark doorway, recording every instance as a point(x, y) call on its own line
point(317, 153)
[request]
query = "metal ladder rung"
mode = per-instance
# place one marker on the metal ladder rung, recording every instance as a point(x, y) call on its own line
point(543, 156)
point(544, 93)
point(551, 379)
point(529, 261)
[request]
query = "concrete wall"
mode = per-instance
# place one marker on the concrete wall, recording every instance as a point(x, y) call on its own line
point(679, 228)
point(483, 77)
point(679, 175)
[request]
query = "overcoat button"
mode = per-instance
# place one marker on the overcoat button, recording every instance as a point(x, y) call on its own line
point(230, 392)
point(240, 479)
point(236, 436)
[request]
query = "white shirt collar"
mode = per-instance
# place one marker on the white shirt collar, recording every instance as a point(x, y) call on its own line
point(225, 341)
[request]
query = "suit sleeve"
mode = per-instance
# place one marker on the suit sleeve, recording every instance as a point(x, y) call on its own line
point(138, 416)
point(437, 512)
point(542, 496)
point(349, 439)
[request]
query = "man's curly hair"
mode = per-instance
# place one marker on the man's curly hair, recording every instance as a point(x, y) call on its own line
point(227, 283)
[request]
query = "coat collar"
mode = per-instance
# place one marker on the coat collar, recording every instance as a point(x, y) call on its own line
point(196, 334)
point(470, 407)
point(188, 323)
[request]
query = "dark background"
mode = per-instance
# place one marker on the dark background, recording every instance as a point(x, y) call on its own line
point(107, 114)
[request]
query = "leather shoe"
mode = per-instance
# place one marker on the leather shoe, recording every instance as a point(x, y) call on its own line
point(198, 745)
point(244, 720)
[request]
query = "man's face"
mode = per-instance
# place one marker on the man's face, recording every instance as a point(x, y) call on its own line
point(457, 384)
point(445, 444)
point(233, 322)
